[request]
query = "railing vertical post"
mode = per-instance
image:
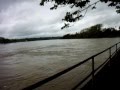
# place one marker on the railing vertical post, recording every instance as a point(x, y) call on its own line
point(93, 72)
point(116, 48)
point(110, 56)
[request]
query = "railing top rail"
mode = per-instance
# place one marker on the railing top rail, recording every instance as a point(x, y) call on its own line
point(40, 83)
point(103, 50)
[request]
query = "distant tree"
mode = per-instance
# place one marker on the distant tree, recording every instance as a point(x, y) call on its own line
point(95, 31)
point(82, 5)
point(4, 40)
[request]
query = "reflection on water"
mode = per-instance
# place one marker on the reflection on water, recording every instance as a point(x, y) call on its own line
point(22, 64)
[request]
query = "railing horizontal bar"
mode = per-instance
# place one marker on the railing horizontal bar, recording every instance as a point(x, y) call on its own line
point(40, 83)
point(104, 50)
point(90, 74)
point(102, 65)
point(113, 54)
point(82, 81)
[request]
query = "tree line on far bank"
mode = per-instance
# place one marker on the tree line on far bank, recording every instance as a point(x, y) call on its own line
point(95, 31)
point(5, 40)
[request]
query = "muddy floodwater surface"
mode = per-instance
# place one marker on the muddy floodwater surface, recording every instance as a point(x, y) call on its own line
point(25, 63)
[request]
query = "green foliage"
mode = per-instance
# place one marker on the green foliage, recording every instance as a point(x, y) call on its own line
point(82, 5)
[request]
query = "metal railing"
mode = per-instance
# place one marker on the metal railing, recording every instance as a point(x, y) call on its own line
point(93, 72)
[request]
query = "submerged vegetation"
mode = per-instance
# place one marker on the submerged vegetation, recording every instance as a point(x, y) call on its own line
point(95, 31)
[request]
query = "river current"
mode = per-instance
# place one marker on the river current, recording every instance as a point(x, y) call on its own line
point(25, 63)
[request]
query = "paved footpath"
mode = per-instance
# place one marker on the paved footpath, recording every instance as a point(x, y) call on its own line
point(108, 78)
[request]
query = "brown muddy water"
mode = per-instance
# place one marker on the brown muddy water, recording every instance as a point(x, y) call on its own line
point(25, 63)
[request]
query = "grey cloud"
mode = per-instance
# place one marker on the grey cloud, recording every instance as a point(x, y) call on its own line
point(25, 18)
point(5, 3)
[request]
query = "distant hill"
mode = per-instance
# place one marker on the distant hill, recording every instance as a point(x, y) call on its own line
point(95, 31)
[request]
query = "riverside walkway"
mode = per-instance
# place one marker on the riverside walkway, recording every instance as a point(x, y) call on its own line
point(108, 78)
point(105, 76)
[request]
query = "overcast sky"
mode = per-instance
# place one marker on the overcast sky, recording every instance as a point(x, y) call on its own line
point(26, 18)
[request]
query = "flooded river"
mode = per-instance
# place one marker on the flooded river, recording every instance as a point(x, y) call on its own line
point(25, 63)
